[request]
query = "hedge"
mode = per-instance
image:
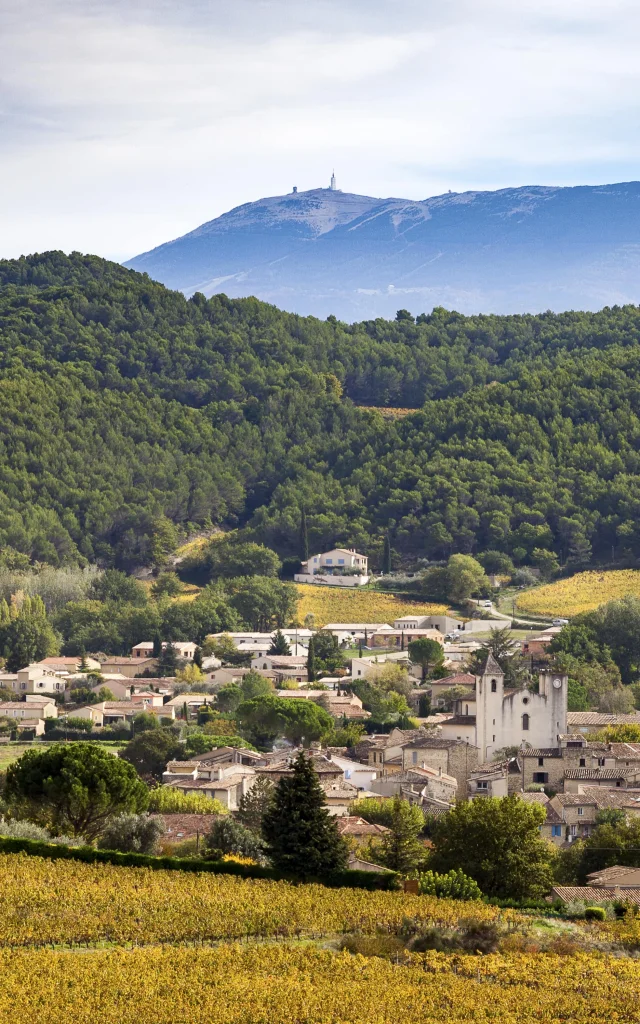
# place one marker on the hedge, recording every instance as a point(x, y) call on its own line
point(89, 855)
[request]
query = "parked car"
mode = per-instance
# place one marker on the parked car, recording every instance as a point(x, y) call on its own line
point(485, 604)
point(560, 622)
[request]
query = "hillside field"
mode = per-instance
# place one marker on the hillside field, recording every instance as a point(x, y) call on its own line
point(337, 604)
point(580, 593)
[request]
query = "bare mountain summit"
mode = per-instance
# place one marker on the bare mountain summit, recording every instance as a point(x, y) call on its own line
point(324, 251)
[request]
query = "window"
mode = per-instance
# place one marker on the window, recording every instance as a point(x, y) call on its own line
point(583, 762)
point(482, 785)
point(541, 777)
point(494, 686)
point(556, 830)
point(341, 561)
point(466, 709)
point(329, 561)
point(580, 811)
point(601, 762)
point(265, 665)
point(525, 700)
point(540, 762)
point(414, 757)
point(525, 723)
point(618, 782)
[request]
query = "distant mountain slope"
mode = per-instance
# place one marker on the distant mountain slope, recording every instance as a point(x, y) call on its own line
point(320, 252)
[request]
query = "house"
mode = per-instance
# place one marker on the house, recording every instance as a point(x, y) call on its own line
point(257, 643)
point(576, 816)
point(456, 758)
point(122, 689)
point(442, 623)
point(492, 779)
point(439, 687)
point(360, 666)
point(184, 648)
point(110, 712)
point(285, 666)
point(280, 766)
point(592, 721)
point(338, 705)
point(38, 680)
point(359, 775)
point(387, 636)
point(71, 665)
point(147, 698)
point(383, 751)
point(353, 632)
point(129, 667)
point(576, 779)
point(228, 789)
point(337, 558)
point(192, 701)
point(23, 711)
point(340, 795)
point(418, 785)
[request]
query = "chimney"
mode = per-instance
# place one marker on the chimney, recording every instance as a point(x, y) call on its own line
point(295, 188)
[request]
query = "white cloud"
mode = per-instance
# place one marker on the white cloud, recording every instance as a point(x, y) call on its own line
point(125, 124)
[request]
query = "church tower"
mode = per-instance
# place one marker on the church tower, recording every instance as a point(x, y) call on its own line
point(333, 185)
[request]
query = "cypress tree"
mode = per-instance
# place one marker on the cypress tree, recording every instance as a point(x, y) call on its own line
point(302, 838)
point(386, 555)
point(311, 662)
point(304, 538)
point(197, 657)
point(157, 646)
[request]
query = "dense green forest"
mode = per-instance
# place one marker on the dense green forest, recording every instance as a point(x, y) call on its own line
point(130, 413)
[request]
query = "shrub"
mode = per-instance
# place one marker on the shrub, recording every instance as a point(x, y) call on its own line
point(595, 914)
point(228, 836)
point(132, 833)
point(18, 829)
point(453, 885)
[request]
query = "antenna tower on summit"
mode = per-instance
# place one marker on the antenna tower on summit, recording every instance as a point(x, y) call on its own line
point(333, 185)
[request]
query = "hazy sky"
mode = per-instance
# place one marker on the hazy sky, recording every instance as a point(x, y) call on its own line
point(124, 123)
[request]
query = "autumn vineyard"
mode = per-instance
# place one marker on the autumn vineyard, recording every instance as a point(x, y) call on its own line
point(84, 943)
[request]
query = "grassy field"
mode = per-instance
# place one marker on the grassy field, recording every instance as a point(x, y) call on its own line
point(580, 593)
point(337, 604)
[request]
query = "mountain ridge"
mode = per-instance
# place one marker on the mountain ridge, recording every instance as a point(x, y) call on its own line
point(523, 249)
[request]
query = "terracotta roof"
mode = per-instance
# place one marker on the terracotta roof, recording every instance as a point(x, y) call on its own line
point(540, 752)
point(593, 894)
point(615, 876)
point(459, 679)
point(461, 720)
point(575, 799)
point(491, 666)
point(597, 718)
point(598, 773)
point(354, 826)
point(621, 798)
point(185, 826)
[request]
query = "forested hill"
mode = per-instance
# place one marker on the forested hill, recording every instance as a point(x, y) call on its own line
point(128, 411)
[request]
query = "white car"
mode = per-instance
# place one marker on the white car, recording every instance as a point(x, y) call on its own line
point(485, 604)
point(560, 622)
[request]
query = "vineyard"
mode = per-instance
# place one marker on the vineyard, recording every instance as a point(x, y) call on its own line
point(337, 604)
point(75, 903)
point(84, 943)
point(284, 985)
point(581, 593)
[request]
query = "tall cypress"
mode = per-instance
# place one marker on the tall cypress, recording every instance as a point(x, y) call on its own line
point(386, 554)
point(311, 662)
point(304, 537)
point(301, 836)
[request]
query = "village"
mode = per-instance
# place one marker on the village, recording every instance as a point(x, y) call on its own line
point(468, 735)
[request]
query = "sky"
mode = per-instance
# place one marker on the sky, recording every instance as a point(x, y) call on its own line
point(125, 123)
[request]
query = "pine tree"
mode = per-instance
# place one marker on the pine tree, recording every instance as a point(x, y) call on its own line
point(304, 537)
point(386, 555)
point(311, 662)
point(302, 839)
point(279, 644)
